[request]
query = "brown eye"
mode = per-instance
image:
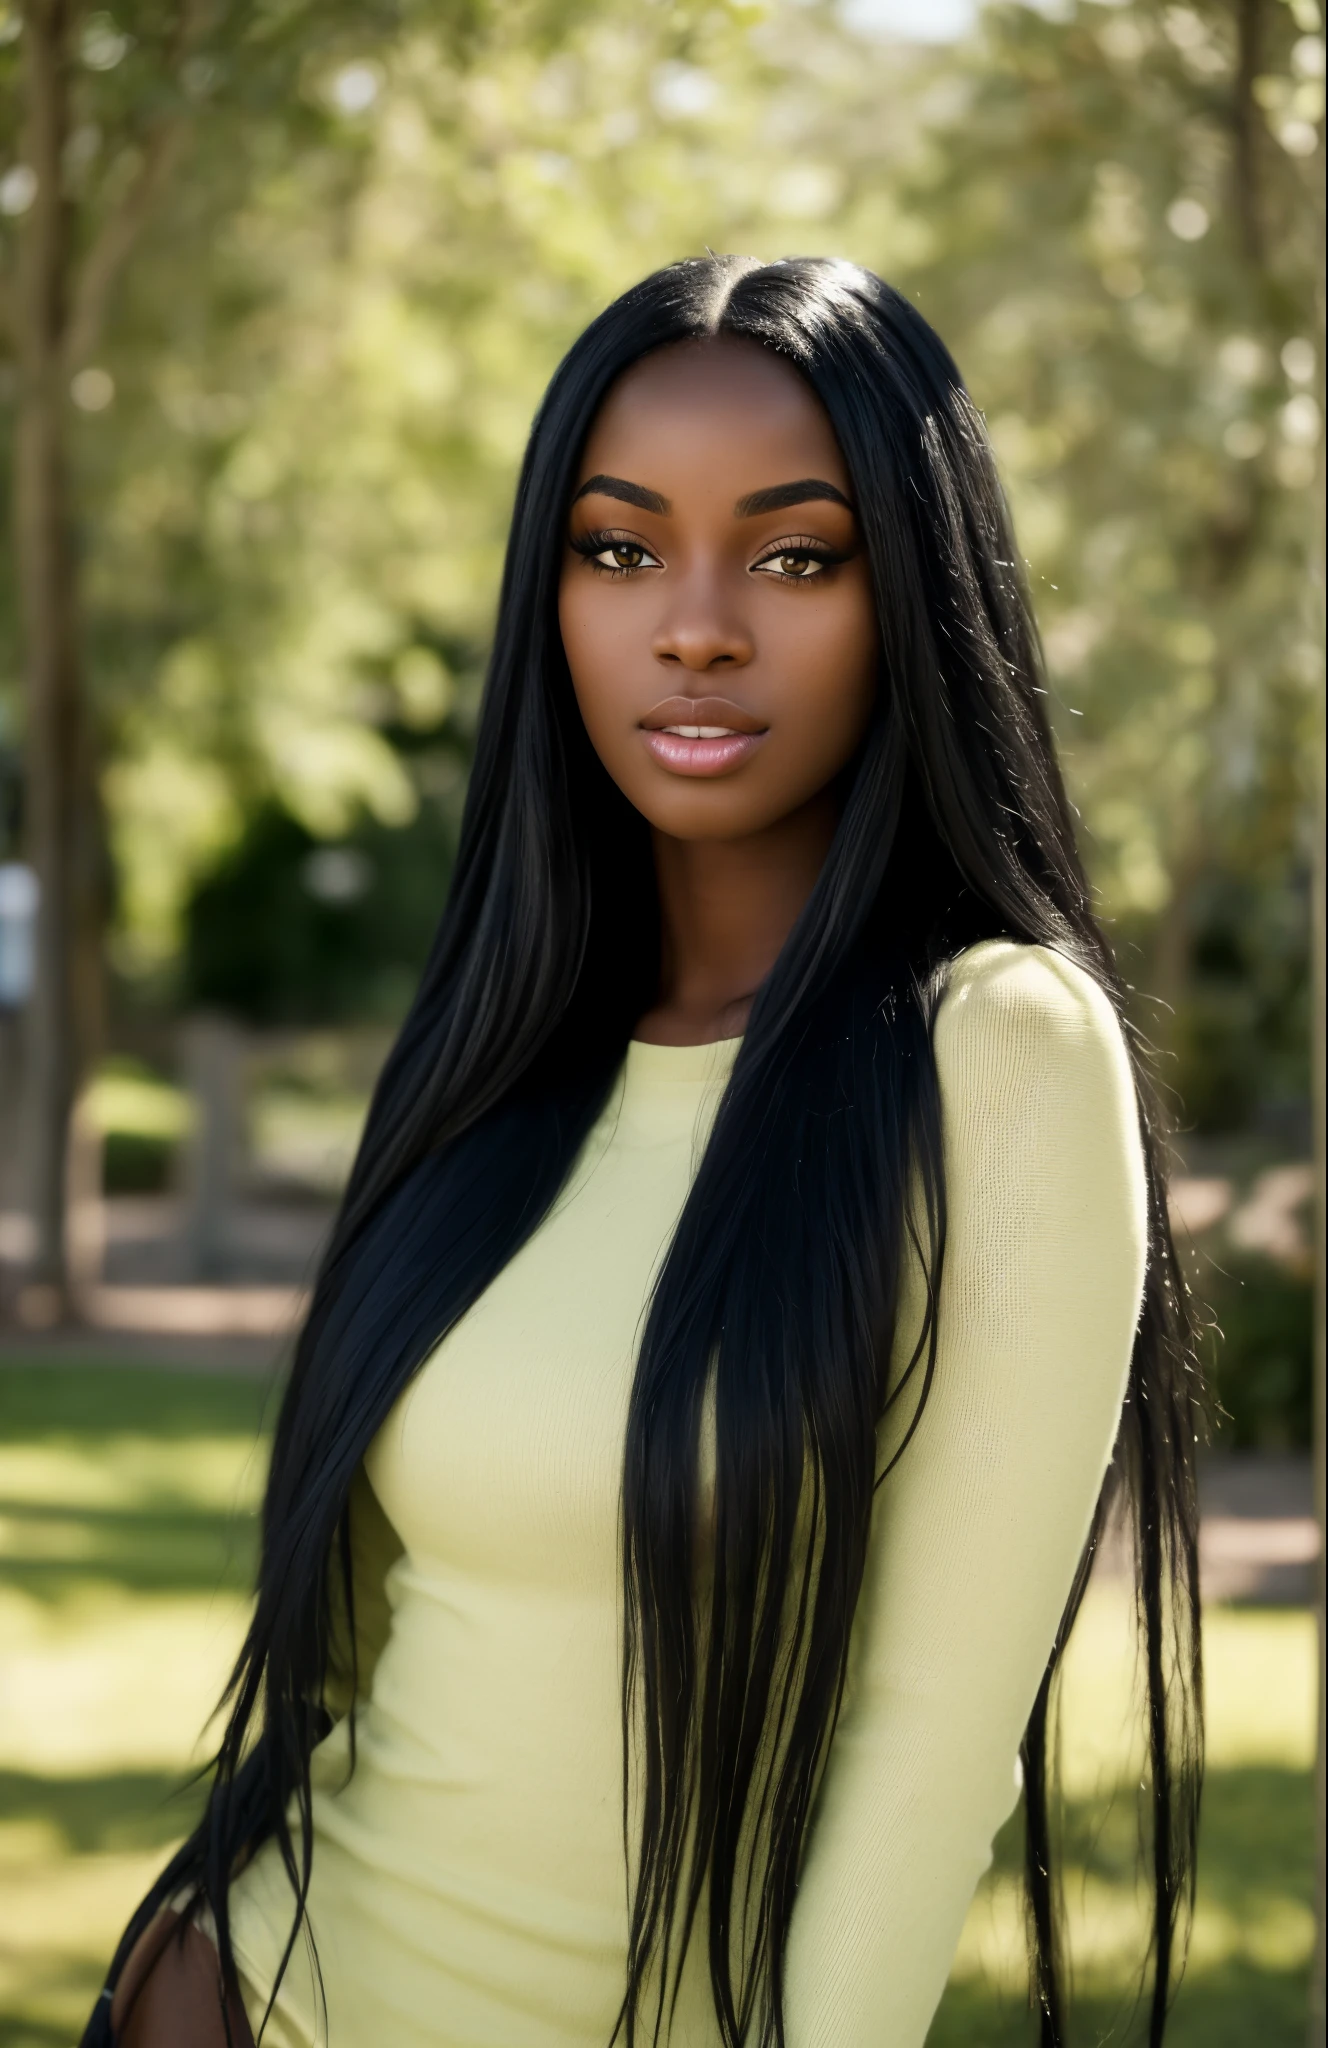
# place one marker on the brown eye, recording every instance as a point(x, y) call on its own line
point(616, 557)
point(792, 565)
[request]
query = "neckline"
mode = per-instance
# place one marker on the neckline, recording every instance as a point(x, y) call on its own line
point(680, 1063)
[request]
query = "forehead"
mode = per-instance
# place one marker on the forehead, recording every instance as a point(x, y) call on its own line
point(725, 409)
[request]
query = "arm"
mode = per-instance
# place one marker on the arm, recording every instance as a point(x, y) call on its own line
point(978, 1529)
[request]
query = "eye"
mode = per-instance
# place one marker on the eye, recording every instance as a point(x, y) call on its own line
point(797, 561)
point(614, 554)
point(622, 554)
point(801, 567)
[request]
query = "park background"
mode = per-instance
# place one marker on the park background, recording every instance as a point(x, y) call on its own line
point(282, 283)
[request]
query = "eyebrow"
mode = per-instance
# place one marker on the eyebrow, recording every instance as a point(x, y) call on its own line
point(629, 494)
point(780, 496)
point(777, 498)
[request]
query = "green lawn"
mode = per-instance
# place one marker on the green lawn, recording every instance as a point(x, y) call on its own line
point(126, 1547)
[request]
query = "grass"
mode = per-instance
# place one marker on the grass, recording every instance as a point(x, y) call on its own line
point(126, 1554)
point(126, 1540)
point(1247, 1976)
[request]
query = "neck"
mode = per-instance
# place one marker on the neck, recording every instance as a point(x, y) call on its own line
point(726, 908)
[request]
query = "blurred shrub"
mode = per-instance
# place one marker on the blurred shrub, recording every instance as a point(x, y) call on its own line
point(289, 929)
point(1261, 1355)
point(143, 1121)
point(1241, 1033)
point(137, 1162)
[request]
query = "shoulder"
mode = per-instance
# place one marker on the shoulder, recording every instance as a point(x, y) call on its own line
point(1009, 1004)
point(1030, 1055)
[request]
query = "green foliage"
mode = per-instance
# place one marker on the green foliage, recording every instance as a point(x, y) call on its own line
point(1244, 1022)
point(316, 462)
point(1123, 241)
point(388, 221)
point(142, 1121)
point(136, 1162)
point(288, 930)
point(1261, 1357)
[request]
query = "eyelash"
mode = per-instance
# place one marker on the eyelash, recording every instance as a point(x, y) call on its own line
point(802, 547)
point(588, 545)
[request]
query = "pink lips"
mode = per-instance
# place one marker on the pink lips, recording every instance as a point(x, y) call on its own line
point(701, 757)
point(701, 735)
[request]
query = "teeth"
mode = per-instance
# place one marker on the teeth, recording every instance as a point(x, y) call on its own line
point(702, 732)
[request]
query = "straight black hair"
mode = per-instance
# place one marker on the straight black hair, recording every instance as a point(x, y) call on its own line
point(547, 953)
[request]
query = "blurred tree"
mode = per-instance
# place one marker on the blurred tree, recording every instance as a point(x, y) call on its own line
point(104, 107)
point(1107, 216)
point(1123, 210)
point(306, 544)
point(293, 450)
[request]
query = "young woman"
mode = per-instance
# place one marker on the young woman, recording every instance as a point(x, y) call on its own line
point(695, 1452)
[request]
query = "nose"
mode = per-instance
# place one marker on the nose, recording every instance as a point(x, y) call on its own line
point(699, 632)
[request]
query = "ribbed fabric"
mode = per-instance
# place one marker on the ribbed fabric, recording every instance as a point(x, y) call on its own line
point(469, 1887)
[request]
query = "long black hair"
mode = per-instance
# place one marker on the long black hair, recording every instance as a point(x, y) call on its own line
point(954, 827)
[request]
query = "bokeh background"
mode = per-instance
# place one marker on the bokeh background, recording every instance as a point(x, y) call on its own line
point(309, 266)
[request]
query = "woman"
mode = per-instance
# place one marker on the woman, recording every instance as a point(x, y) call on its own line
point(695, 1452)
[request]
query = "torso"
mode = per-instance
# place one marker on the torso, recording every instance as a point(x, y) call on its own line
point(469, 1879)
point(473, 1867)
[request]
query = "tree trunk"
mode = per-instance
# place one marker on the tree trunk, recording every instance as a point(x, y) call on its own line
point(54, 737)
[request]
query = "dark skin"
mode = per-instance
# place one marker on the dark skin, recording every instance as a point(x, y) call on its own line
point(737, 590)
point(730, 598)
point(170, 1993)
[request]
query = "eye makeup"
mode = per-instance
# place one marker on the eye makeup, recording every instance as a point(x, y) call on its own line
point(602, 541)
point(775, 562)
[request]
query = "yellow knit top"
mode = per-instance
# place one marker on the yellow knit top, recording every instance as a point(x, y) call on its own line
point(469, 1886)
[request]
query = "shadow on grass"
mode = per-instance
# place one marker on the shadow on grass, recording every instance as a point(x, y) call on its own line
point(176, 1550)
point(117, 1814)
point(1235, 2005)
point(1256, 1887)
point(25, 2032)
point(55, 1401)
point(161, 1542)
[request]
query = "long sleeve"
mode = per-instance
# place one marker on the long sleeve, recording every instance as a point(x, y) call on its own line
point(978, 1529)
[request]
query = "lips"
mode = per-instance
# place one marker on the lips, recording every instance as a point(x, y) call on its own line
point(701, 735)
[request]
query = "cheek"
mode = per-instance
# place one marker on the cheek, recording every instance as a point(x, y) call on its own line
point(595, 641)
point(830, 663)
point(571, 626)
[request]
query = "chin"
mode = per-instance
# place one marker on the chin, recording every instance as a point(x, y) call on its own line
point(709, 815)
